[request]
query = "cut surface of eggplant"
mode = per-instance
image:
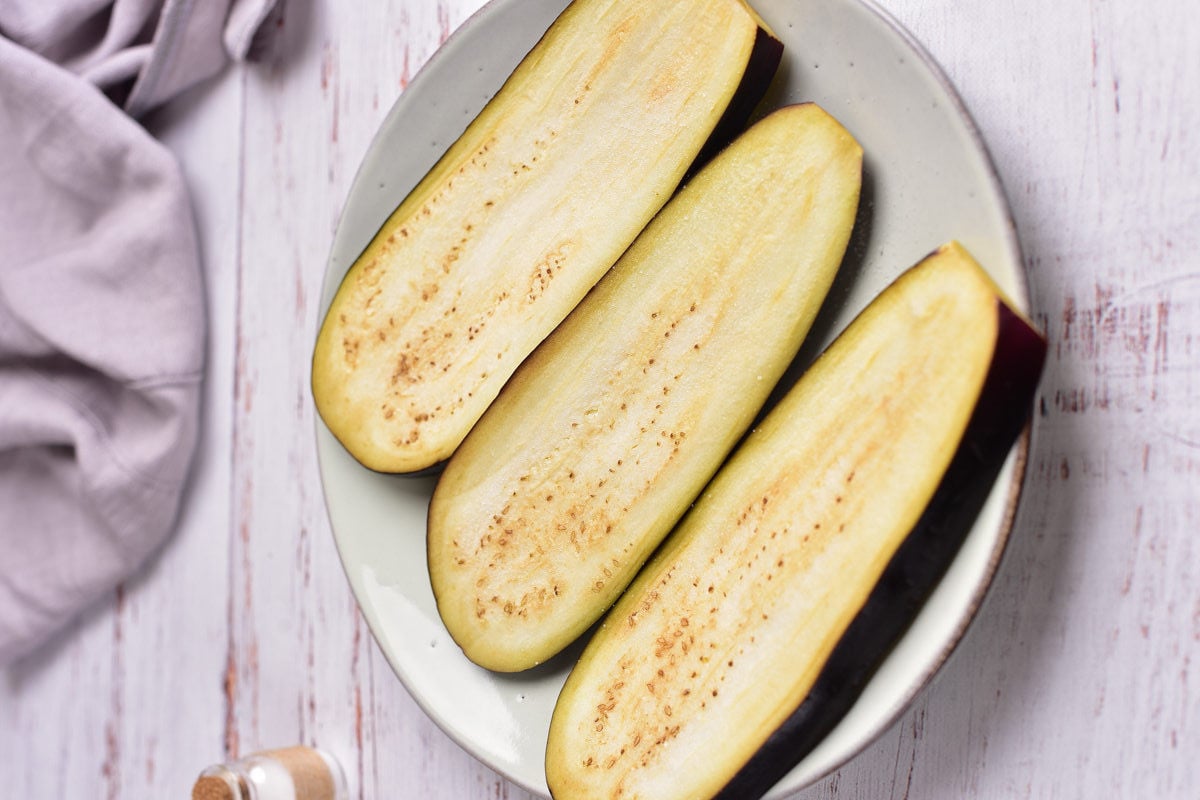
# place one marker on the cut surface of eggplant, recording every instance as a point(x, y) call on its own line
point(721, 665)
point(541, 194)
point(613, 426)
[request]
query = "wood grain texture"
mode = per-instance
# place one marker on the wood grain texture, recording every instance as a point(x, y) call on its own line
point(1077, 678)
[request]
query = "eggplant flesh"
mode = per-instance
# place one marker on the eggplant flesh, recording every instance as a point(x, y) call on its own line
point(519, 218)
point(612, 427)
point(754, 628)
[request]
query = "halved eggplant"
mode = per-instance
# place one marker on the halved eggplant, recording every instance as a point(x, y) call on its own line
point(721, 666)
point(523, 214)
point(613, 426)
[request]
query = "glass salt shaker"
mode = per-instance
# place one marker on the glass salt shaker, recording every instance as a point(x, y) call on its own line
point(291, 773)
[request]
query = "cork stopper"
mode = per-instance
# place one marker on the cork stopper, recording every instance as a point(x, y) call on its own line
point(215, 787)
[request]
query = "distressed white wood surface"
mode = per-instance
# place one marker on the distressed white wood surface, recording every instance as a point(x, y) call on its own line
point(1077, 679)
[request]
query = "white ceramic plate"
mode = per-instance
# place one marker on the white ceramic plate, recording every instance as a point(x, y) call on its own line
point(927, 179)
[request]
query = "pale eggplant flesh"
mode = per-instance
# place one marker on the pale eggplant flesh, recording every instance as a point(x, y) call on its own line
point(614, 425)
point(520, 217)
point(754, 629)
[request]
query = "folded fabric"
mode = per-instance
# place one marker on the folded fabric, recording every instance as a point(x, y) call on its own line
point(143, 52)
point(101, 298)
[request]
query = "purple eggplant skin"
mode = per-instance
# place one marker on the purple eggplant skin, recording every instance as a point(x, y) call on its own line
point(1000, 418)
point(760, 71)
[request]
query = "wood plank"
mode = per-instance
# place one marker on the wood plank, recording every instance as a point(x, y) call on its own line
point(303, 666)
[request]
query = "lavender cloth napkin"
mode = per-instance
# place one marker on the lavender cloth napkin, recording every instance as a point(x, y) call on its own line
point(101, 299)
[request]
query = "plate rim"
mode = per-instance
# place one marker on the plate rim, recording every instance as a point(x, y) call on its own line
point(1016, 465)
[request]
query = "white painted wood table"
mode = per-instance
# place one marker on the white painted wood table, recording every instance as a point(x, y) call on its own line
point(1078, 679)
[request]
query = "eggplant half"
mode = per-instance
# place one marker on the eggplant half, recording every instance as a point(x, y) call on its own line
point(755, 627)
point(613, 426)
point(524, 213)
